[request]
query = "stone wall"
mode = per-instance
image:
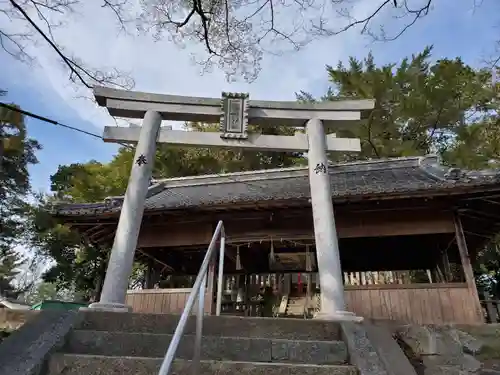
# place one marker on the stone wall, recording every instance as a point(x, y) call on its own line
point(10, 320)
point(442, 350)
point(13, 319)
point(489, 334)
point(27, 350)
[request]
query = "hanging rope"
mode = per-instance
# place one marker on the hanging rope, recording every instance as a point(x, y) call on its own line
point(238, 259)
point(308, 259)
point(272, 259)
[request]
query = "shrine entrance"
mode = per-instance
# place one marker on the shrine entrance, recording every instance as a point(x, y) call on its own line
point(297, 287)
point(264, 269)
point(303, 284)
point(292, 293)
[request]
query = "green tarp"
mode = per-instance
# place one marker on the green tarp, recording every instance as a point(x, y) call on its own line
point(58, 305)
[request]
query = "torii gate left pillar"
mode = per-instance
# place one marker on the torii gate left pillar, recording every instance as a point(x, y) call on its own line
point(234, 114)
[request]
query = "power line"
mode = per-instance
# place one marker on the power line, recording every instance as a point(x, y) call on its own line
point(53, 122)
point(57, 123)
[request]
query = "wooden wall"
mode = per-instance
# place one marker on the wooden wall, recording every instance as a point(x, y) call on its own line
point(349, 225)
point(164, 301)
point(415, 303)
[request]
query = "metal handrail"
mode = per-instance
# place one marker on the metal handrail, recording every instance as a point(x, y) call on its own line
point(198, 290)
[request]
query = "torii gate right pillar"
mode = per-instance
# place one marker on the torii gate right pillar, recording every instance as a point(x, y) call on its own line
point(325, 231)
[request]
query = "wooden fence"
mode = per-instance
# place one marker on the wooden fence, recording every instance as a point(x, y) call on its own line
point(491, 310)
point(415, 303)
point(162, 301)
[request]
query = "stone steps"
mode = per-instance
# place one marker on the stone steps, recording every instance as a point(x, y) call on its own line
point(225, 326)
point(79, 364)
point(295, 312)
point(296, 306)
point(104, 343)
point(212, 347)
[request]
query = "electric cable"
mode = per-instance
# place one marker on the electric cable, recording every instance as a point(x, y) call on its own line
point(53, 122)
point(57, 123)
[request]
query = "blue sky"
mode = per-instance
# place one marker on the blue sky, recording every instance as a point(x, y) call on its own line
point(60, 145)
point(43, 88)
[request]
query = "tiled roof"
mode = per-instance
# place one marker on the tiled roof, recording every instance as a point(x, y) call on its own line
point(348, 180)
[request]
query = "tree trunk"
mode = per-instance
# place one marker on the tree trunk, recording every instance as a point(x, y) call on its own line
point(100, 280)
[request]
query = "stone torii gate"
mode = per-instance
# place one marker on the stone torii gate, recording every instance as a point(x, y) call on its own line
point(234, 112)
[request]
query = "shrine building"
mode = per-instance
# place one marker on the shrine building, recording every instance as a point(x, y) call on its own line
point(408, 228)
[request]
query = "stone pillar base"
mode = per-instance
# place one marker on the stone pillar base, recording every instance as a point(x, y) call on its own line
point(110, 307)
point(339, 316)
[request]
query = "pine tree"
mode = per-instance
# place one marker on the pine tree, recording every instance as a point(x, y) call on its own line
point(10, 261)
point(421, 106)
point(17, 152)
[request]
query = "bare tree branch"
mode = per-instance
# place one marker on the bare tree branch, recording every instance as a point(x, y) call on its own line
point(234, 34)
point(321, 28)
point(116, 8)
point(18, 51)
point(71, 65)
point(15, 43)
point(494, 61)
point(402, 6)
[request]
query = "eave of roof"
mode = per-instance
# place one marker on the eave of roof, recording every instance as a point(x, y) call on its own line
point(362, 178)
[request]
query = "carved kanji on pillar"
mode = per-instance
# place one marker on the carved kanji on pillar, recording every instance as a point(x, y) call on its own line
point(141, 160)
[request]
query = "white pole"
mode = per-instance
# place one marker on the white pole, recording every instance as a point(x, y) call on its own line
point(325, 232)
point(122, 254)
point(221, 274)
point(199, 326)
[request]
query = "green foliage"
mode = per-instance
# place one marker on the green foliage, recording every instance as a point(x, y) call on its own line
point(10, 262)
point(88, 182)
point(47, 291)
point(78, 265)
point(17, 153)
point(420, 106)
point(487, 270)
point(477, 145)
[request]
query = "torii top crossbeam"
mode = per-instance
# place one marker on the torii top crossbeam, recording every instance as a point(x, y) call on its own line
point(134, 104)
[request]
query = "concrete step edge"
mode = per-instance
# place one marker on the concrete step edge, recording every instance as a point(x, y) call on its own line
point(260, 364)
point(245, 320)
point(263, 350)
point(131, 334)
point(177, 316)
point(286, 328)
